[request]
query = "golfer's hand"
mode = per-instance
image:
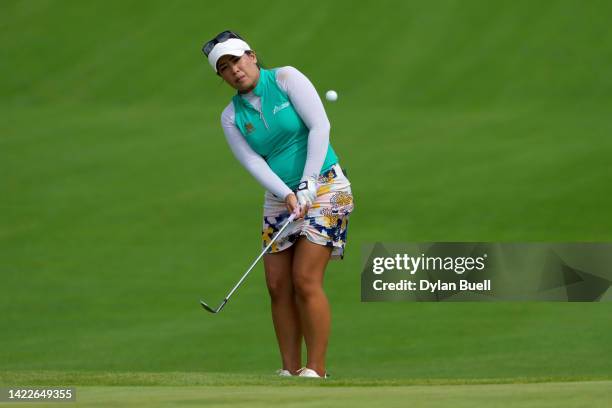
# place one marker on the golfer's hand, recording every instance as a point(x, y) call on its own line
point(293, 206)
point(307, 193)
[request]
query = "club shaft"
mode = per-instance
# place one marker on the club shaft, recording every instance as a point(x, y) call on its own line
point(289, 220)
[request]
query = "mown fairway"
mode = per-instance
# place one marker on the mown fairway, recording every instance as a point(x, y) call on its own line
point(221, 390)
point(121, 205)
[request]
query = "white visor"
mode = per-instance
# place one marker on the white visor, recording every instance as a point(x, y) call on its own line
point(233, 46)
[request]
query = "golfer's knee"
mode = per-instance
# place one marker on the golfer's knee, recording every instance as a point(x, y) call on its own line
point(279, 289)
point(306, 287)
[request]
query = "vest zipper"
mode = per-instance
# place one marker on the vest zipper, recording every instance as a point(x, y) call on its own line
point(261, 115)
point(264, 119)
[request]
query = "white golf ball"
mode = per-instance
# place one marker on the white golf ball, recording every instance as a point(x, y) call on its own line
point(331, 96)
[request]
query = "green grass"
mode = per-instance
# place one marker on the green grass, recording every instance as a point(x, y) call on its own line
point(121, 205)
point(221, 389)
point(225, 391)
point(148, 379)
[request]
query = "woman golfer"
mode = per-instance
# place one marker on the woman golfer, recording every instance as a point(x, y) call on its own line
point(277, 128)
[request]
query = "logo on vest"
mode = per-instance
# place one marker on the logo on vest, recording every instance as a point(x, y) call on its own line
point(249, 127)
point(280, 108)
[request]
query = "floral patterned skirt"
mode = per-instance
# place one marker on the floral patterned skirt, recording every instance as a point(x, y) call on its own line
point(325, 223)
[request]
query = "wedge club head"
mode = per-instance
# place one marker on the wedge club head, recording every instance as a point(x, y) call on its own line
point(210, 309)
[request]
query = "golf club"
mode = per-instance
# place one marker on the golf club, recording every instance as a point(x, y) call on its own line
point(218, 309)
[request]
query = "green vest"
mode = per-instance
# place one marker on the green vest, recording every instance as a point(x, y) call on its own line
point(277, 133)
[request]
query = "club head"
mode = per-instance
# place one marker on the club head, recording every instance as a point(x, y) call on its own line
point(208, 308)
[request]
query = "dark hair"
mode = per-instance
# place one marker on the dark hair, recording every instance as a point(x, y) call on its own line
point(259, 64)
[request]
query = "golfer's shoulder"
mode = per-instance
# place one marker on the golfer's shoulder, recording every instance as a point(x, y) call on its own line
point(287, 72)
point(289, 77)
point(228, 114)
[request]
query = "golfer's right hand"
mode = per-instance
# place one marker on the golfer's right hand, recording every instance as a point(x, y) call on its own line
point(293, 206)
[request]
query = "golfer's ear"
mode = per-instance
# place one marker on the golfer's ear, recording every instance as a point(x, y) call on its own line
point(253, 56)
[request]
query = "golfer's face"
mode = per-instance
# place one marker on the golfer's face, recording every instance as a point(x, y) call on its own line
point(240, 73)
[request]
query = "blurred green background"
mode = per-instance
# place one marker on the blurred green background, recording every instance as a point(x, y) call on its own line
point(121, 204)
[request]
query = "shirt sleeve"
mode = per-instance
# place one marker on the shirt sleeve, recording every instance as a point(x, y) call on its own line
point(308, 105)
point(253, 162)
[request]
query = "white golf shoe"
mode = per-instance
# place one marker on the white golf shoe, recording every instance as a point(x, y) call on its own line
point(307, 372)
point(283, 373)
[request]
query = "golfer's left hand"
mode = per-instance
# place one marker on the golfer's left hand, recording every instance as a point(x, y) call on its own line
point(307, 193)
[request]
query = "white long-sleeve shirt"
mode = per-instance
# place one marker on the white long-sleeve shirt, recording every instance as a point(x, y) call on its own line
point(308, 105)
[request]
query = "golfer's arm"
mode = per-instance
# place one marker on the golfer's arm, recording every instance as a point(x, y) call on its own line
point(252, 161)
point(308, 105)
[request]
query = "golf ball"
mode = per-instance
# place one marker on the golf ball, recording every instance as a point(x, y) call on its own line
point(331, 96)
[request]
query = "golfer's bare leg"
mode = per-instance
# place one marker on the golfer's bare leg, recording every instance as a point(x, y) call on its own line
point(284, 309)
point(309, 262)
